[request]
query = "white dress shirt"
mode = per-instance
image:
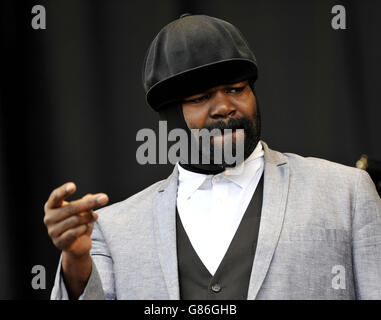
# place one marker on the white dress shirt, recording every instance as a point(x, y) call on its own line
point(211, 207)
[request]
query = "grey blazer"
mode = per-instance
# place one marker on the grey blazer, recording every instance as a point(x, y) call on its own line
point(319, 237)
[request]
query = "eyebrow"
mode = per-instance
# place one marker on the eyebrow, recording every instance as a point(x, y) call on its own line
point(231, 85)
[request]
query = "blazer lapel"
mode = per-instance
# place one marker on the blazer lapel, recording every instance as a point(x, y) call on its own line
point(165, 233)
point(275, 190)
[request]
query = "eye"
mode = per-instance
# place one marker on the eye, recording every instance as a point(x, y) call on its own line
point(235, 89)
point(198, 99)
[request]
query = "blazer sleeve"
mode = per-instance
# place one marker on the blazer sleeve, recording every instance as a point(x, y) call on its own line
point(101, 283)
point(366, 239)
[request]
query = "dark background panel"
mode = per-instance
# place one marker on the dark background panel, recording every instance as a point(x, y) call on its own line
point(72, 101)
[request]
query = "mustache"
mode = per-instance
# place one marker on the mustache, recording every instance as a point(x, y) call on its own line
point(233, 124)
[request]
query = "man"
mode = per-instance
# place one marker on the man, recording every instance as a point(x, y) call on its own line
point(281, 227)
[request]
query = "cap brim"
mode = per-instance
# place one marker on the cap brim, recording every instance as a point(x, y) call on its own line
point(199, 79)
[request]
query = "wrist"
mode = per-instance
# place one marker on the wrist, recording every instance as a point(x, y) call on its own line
point(76, 267)
point(75, 258)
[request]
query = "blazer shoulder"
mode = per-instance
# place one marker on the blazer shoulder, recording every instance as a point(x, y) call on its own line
point(139, 202)
point(310, 166)
point(324, 170)
point(320, 164)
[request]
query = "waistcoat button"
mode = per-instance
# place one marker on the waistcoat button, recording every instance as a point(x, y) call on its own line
point(216, 288)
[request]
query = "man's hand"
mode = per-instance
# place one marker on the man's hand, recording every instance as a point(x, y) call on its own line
point(69, 226)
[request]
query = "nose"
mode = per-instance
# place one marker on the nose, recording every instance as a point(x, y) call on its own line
point(221, 106)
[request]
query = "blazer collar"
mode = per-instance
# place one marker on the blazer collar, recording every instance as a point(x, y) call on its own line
point(165, 232)
point(275, 191)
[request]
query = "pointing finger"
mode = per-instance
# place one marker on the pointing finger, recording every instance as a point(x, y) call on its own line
point(78, 206)
point(59, 195)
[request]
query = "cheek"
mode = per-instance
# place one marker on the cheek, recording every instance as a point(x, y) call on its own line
point(248, 105)
point(195, 116)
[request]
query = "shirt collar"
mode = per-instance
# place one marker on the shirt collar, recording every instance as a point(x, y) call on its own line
point(241, 175)
point(189, 181)
point(244, 173)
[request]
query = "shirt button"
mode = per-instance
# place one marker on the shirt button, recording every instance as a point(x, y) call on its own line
point(216, 288)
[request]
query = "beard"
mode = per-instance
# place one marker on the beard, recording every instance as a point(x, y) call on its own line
point(252, 132)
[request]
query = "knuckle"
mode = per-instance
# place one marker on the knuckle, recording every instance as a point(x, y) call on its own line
point(57, 243)
point(75, 220)
point(62, 243)
point(47, 220)
point(51, 232)
point(71, 235)
point(83, 228)
point(70, 209)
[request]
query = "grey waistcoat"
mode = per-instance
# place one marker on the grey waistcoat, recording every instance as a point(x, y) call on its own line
point(231, 280)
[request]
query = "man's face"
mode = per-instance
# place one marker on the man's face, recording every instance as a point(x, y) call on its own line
point(230, 106)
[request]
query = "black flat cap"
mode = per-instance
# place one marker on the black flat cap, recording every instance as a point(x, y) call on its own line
point(192, 54)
